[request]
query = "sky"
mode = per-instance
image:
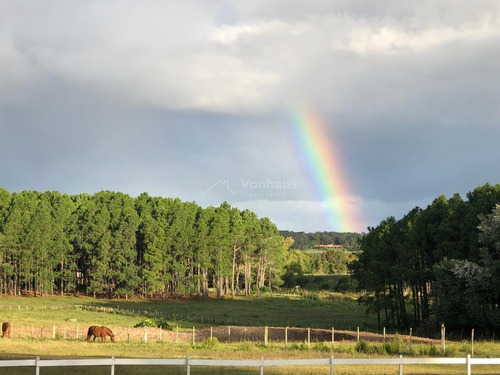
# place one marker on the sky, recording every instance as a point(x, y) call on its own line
point(200, 100)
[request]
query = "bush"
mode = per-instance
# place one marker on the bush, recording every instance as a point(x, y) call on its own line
point(146, 323)
point(212, 343)
point(157, 323)
point(346, 284)
point(247, 346)
point(324, 286)
point(321, 347)
point(434, 351)
point(162, 323)
point(311, 296)
point(362, 347)
point(299, 346)
point(394, 346)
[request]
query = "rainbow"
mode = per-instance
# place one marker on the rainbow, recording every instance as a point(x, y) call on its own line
point(325, 168)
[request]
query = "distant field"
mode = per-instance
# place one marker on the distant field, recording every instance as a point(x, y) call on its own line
point(314, 251)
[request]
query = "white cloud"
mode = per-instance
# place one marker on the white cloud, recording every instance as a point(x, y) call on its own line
point(177, 56)
point(228, 34)
point(385, 39)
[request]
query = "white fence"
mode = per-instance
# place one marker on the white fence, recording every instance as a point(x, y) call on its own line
point(261, 363)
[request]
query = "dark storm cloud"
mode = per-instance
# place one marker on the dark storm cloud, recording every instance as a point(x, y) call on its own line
point(195, 99)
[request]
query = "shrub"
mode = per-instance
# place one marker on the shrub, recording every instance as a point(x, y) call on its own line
point(247, 346)
point(394, 346)
point(311, 296)
point(324, 286)
point(321, 347)
point(212, 343)
point(146, 323)
point(346, 284)
point(362, 347)
point(162, 323)
point(434, 351)
point(299, 346)
point(159, 323)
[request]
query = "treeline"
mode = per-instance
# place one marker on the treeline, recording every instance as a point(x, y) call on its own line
point(438, 264)
point(110, 243)
point(304, 241)
point(328, 262)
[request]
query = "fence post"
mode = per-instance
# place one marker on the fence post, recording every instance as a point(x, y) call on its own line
point(331, 365)
point(308, 338)
point(286, 337)
point(211, 333)
point(265, 335)
point(41, 331)
point(177, 334)
point(333, 336)
point(161, 330)
point(467, 361)
point(113, 365)
point(53, 331)
point(193, 336)
point(443, 345)
point(400, 364)
point(188, 367)
point(229, 334)
point(384, 334)
point(472, 343)
point(145, 335)
point(411, 332)
point(357, 336)
point(261, 365)
point(77, 326)
point(37, 368)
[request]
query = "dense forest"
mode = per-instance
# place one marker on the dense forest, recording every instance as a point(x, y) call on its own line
point(304, 241)
point(112, 244)
point(440, 264)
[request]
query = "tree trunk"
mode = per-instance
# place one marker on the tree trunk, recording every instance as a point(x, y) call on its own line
point(233, 271)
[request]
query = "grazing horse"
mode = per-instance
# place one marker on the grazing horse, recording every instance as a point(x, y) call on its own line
point(101, 332)
point(6, 327)
point(90, 332)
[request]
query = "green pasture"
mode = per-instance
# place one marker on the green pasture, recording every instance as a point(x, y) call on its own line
point(309, 309)
point(323, 310)
point(314, 251)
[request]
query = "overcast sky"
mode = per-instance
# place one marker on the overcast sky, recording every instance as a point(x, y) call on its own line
point(193, 99)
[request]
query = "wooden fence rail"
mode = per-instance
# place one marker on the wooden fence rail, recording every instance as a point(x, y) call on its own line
point(260, 363)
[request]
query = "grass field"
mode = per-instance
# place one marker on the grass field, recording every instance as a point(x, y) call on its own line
point(316, 310)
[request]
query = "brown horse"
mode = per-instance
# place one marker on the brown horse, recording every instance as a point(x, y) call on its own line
point(101, 332)
point(6, 327)
point(90, 332)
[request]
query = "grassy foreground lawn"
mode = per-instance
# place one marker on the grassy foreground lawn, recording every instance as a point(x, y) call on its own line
point(52, 349)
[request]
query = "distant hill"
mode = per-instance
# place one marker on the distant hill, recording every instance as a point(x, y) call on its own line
point(305, 241)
